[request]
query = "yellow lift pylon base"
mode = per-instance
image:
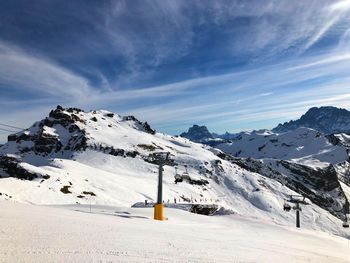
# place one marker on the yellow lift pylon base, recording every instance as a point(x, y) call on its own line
point(159, 212)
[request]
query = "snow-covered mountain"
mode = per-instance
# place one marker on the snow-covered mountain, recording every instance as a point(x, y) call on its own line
point(80, 157)
point(324, 119)
point(296, 158)
point(302, 145)
point(341, 139)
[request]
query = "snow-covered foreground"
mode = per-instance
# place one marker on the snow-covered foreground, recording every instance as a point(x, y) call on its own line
point(30, 233)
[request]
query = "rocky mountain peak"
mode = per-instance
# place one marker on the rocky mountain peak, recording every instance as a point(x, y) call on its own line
point(197, 133)
point(324, 119)
point(71, 129)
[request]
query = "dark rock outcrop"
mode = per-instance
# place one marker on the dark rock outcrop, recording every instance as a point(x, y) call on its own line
point(46, 143)
point(148, 128)
point(201, 134)
point(197, 134)
point(11, 166)
point(320, 185)
point(204, 209)
point(324, 119)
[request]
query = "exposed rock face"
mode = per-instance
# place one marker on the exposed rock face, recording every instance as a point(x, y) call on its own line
point(339, 139)
point(11, 165)
point(202, 135)
point(43, 140)
point(226, 136)
point(204, 209)
point(40, 138)
point(148, 128)
point(64, 132)
point(320, 185)
point(143, 126)
point(197, 134)
point(324, 119)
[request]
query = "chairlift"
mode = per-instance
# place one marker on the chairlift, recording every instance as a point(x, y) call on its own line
point(178, 177)
point(176, 172)
point(186, 171)
point(287, 207)
point(297, 199)
point(186, 175)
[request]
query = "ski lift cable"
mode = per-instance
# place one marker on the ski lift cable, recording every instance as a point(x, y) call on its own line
point(6, 130)
point(3, 132)
point(11, 126)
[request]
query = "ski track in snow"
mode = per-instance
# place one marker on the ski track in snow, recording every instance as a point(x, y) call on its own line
point(71, 234)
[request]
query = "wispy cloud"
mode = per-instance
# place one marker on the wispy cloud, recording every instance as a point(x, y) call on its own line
point(228, 64)
point(324, 60)
point(332, 14)
point(283, 94)
point(24, 72)
point(230, 101)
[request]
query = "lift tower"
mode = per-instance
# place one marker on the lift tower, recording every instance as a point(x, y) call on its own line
point(346, 213)
point(297, 200)
point(159, 207)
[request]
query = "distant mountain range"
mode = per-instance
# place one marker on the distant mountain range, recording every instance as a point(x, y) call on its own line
point(201, 134)
point(324, 119)
point(328, 120)
point(197, 133)
point(303, 145)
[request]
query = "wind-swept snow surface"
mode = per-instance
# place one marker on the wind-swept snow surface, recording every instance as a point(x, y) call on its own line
point(72, 234)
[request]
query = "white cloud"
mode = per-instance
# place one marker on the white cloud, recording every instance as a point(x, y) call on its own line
point(321, 32)
point(23, 71)
point(260, 95)
point(343, 5)
point(323, 60)
point(168, 33)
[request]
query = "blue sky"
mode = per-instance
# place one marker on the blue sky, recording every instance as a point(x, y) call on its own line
point(231, 65)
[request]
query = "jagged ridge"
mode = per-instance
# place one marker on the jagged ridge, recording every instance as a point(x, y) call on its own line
point(324, 119)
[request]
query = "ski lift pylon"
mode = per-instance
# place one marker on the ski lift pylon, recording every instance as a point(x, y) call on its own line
point(296, 200)
point(346, 222)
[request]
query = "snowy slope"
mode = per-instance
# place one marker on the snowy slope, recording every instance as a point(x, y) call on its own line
point(340, 139)
point(102, 158)
point(302, 145)
point(109, 234)
point(303, 159)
